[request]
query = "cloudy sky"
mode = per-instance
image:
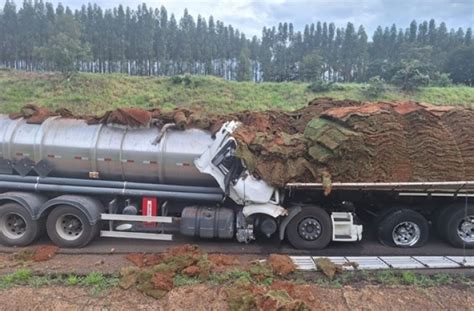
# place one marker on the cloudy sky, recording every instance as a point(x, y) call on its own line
point(251, 15)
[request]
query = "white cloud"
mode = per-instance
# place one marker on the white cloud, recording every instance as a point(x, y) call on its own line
point(250, 16)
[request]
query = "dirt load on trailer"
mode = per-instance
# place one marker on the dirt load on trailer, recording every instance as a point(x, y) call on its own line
point(348, 141)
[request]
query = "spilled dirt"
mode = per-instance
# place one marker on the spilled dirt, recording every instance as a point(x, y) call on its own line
point(155, 277)
point(215, 282)
point(281, 265)
point(44, 252)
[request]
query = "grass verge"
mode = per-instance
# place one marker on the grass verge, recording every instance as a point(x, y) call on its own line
point(96, 93)
point(96, 281)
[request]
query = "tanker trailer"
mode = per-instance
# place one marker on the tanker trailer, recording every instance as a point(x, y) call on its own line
point(77, 181)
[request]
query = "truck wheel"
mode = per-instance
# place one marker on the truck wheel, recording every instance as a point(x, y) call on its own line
point(68, 227)
point(403, 228)
point(310, 229)
point(17, 227)
point(439, 219)
point(459, 227)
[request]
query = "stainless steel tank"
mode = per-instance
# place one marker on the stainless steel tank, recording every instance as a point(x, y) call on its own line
point(75, 149)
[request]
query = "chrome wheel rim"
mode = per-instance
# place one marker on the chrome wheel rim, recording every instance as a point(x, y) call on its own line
point(466, 229)
point(69, 227)
point(406, 233)
point(13, 225)
point(309, 229)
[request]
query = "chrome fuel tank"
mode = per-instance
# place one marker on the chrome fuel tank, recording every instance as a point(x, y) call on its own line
point(75, 149)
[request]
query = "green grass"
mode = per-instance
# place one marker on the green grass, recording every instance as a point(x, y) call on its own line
point(96, 281)
point(391, 277)
point(96, 93)
point(183, 280)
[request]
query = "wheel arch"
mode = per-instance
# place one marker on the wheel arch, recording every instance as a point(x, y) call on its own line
point(32, 202)
point(91, 207)
point(292, 212)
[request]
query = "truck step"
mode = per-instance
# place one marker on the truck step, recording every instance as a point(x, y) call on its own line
point(342, 237)
point(136, 235)
point(160, 219)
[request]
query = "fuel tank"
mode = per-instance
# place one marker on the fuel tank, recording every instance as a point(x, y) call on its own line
point(74, 149)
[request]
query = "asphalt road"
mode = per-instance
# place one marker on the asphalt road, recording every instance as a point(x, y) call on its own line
point(368, 247)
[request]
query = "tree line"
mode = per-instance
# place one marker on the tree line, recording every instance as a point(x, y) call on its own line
point(147, 41)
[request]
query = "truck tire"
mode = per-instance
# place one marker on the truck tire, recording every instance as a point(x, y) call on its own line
point(69, 227)
point(310, 229)
point(403, 228)
point(439, 220)
point(17, 227)
point(458, 227)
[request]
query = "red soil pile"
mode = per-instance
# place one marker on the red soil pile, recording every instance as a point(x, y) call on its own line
point(281, 264)
point(144, 260)
point(44, 253)
point(163, 281)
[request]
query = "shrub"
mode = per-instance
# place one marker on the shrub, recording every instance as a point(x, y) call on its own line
point(320, 86)
point(411, 76)
point(376, 87)
point(440, 79)
point(176, 79)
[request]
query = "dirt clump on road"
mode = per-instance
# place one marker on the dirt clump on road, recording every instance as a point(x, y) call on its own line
point(163, 281)
point(143, 259)
point(188, 262)
point(155, 277)
point(45, 252)
point(23, 255)
point(37, 254)
point(329, 268)
point(243, 295)
point(191, 271)
point(221, 260)
point(281, 264)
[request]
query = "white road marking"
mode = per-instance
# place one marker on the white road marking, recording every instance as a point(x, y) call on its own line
point(308, 263)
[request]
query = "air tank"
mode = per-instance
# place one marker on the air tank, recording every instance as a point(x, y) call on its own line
point(75, 149)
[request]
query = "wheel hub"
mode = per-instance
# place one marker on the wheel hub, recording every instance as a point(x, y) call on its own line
point(406, 234)
point(309, 229)
point(69, 227)
point(13, 225)
point(466, 229)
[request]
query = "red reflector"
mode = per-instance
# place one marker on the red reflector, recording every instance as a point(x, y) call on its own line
point(149, 208)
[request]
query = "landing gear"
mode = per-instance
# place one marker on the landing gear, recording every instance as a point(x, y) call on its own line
point(310, 229)
point(403, 228)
